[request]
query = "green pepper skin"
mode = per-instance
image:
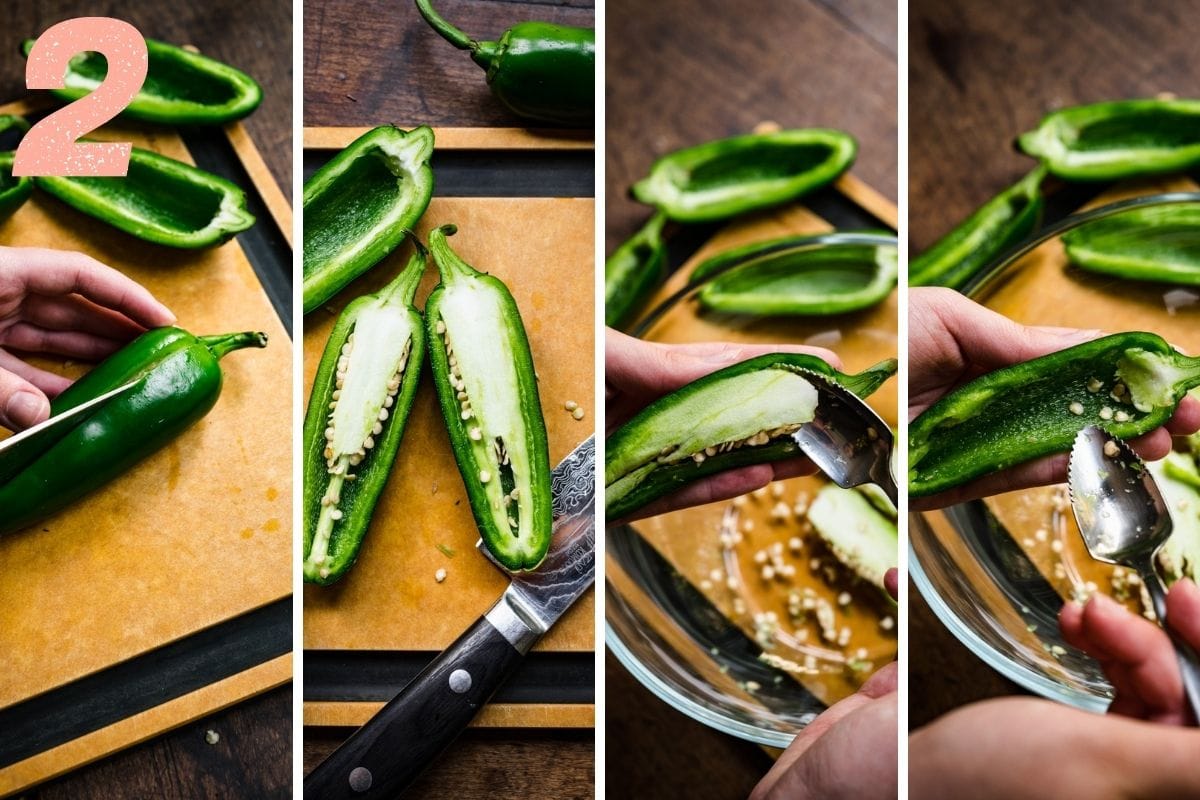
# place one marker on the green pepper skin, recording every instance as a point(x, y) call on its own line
point(161, 200)
point(999, 224)
point(181, 87)
point(510, 406)
point(813, 282)
point(538, 70)
point(633, 271)
point(1159, 243)
point(665, 479)
point(179, 381)
point(1023, 412)
point(357, 498)
point(359, 207)
point(1117, 140)
point(726, 177)
point(13, 191)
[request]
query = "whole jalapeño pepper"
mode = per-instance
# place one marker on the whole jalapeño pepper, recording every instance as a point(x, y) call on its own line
point(483, 371)
point(540, 71)
point(178, 382)
point(360, 401)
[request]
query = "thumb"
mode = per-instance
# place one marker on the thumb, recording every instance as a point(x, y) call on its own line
point(22, 405)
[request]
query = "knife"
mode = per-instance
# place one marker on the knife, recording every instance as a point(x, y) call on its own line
point(18, 450)
point(384, 756)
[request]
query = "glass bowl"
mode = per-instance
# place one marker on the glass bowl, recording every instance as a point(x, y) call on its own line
point(666, 630)
point(988, 568)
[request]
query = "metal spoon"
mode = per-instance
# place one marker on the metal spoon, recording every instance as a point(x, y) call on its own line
point(847, 440)
point(1125, 521)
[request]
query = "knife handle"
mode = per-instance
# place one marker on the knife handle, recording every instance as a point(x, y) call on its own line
point(383, 757)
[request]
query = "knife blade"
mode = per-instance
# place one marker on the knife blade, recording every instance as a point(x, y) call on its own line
point(384, 756)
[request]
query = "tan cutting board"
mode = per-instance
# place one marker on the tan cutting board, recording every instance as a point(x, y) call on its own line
point(197, 534)
point(543, 249)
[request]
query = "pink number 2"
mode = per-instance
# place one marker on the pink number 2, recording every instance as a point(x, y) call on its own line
point(50, 146)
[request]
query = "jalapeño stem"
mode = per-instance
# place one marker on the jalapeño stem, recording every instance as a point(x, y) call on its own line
point(224, 344)
point(447, 31)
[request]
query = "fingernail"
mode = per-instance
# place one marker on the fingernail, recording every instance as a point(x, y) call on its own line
point(26, 409)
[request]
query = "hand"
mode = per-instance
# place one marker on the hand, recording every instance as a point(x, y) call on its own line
point(953, 340)
point(636, 373)
point(1136, 654)
point(847, 752)
point(63, 304)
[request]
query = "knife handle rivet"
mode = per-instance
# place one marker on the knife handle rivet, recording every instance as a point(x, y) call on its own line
point(360, 779)
point(460, 681)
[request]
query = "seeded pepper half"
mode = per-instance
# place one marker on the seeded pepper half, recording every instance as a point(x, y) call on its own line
point(483, 371)
point(740, 415)
point(360, 401)
point(1128, 384)
point(179, 381)
point(540, 71)
point(1158, 243)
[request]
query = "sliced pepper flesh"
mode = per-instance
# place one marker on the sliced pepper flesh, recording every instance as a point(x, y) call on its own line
point(181, 87)
point(740, 415)
point(359, 207)
point(160, 200)
point(1126, 383)
point(999, 224)
point(361, 398)
point(810, 281)
point(1159, 243)
point(484, 374)
point(633, 271)
point(731, 176)
point(1117, 140)
point(178, 382)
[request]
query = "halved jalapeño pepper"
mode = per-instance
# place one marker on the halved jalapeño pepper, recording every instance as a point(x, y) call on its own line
point(160, 200)
point(632, 272)
point(483, 371)
point(861, 537)
point(13, 191)
point(1159, 243)
point(359, 207)
point(1127, 383)
point(181, 87)
point(178, 382)
point(782, 277)
point(1122, 139)
point(740, 415)
point(1002, 222)
point(360, 401)
point(732, 176)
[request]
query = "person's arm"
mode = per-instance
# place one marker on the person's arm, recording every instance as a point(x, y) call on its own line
point(953, 340)
point(637, 372)
point(65, 304)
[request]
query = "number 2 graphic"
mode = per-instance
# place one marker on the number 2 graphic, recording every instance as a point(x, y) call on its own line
point(51, 147)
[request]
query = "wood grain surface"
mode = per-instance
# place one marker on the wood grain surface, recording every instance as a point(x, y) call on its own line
point(980, 74)
point(253, 759)
point(679, 73)
point(397, 69)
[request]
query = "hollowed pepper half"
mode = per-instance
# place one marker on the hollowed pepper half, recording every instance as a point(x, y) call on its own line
point(540, 71)
point(360, 205)
point(1116, 140)
point(1127, 383)
point(483, 371)
point(360, 401)
point(731, 176)
point(741, 415)
point(181, 87)
point(633, 271)
point(178, 382)
point(1159, 243)
point(13, 191)
point(160, 200)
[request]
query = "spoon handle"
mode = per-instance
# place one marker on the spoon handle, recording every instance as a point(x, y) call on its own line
point(1189, 662)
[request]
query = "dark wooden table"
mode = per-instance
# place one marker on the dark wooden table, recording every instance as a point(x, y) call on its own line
point(369, 62)
point(981, 73)
point(680, 72)
point(254, 755)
